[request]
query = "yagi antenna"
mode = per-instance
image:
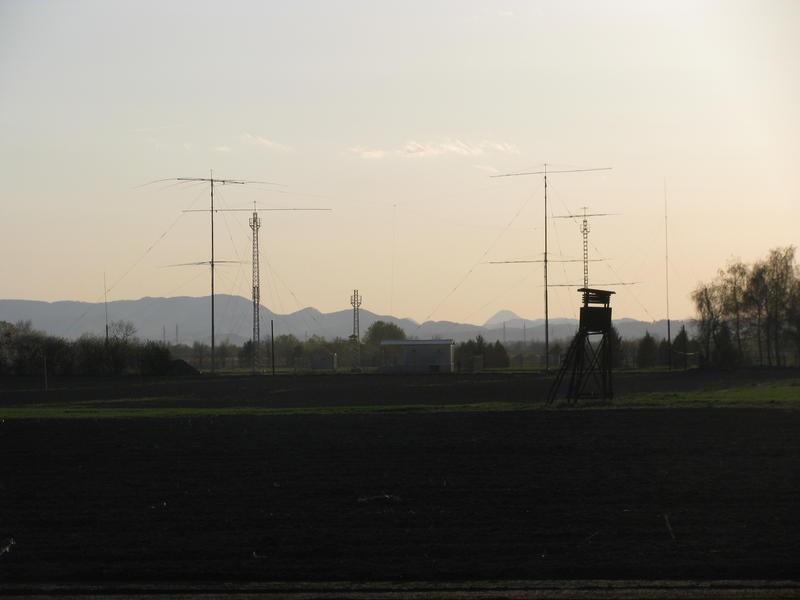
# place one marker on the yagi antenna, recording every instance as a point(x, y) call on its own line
point(200, 263)
point(211, 181)
point(544, 172)
point(514, 262)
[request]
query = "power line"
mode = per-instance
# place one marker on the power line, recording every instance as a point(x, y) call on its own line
point(478, 262)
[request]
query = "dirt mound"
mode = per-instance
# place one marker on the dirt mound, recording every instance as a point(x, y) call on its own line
point(181, 368)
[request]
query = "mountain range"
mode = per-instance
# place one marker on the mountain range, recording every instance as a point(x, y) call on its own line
point(187, 319)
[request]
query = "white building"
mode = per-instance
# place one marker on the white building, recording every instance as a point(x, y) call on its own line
point(418, 356)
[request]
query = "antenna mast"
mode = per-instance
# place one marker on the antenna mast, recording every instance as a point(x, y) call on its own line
point(666, 274)
point(544, 173)
point(212, 181)
point(105, 303)
point(255, 224)
point(585, 233)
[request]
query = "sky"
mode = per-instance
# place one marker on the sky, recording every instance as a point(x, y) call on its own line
point(394, 116)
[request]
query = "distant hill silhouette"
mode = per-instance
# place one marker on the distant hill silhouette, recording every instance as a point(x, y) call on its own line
point(155, 318)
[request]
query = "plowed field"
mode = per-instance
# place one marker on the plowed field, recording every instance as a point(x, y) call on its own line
point(392, 496)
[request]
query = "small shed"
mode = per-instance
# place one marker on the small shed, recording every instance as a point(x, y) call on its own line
point(418, 356)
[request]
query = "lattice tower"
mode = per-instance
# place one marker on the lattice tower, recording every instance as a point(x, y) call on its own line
point(585, 232)
point(255, 224)
point(355, 301)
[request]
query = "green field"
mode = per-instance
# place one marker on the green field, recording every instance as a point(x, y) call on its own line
point(784, 394)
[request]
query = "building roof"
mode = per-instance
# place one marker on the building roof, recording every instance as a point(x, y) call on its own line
point(417, 343)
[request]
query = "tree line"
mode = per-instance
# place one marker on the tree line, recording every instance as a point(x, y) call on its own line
point(25, 351)
point(749, 314)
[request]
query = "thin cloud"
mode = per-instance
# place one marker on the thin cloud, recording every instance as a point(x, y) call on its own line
point(444, 147)
point(223, 148)
point(156, 128)
point(249, 138)
point(368, 153)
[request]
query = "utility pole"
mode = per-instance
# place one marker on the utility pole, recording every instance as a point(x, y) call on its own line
point(544, 172)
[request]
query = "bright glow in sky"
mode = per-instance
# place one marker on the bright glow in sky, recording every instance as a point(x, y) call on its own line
point(394, 115)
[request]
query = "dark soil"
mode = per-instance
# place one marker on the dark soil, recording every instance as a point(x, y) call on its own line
point(640, 494)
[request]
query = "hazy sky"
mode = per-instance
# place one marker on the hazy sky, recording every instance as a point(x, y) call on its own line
point(394, 115)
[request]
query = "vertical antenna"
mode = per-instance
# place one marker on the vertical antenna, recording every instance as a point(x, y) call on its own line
point(355, 301)
point(272, 343)
point(666, 275)
point(546, 288)
point(255, 223)
point(105, 303)
point(394, 243)
point(213, 364)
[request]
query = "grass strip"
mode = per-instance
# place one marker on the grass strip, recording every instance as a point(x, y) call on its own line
point(153, 412)
point(785, 394)
point(767, 395)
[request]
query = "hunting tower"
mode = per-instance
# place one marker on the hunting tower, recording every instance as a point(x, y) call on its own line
point(589, 357)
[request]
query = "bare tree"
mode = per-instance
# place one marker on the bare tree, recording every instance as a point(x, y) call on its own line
point(733, 286)
point(706, 299)
point(124, 331)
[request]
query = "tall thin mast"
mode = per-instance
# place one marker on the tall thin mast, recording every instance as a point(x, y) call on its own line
point(666, 275)
point(546, 287)
point(105, 302)
point(213, 362)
